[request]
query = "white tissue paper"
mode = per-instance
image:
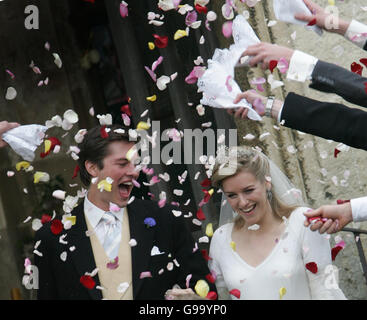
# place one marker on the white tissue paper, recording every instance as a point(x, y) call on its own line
point(217, 83)
point(285, 10)
point(24, 140)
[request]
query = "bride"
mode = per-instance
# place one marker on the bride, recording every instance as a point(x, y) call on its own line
point(266, 252)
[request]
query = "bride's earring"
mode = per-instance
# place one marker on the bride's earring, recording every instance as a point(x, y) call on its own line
point(269, 194)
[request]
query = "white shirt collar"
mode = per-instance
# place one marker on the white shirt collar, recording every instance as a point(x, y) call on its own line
point(95, 214)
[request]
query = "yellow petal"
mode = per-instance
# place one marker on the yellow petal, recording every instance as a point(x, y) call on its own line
point(72, 219)
point(142, 126)
point(179, 34)
point(211, 191)
point(22, 165)
point(331, 2)
point(202, 288)
point(209, 230)
point(233, 245)
point(152, 98)
point(48, 144)
point(131, 153)
point(151, 45)
point(282, 292)
point(105, 186)
point(40, 176)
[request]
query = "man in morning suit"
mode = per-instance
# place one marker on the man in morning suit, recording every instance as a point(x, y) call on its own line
point(117, 250)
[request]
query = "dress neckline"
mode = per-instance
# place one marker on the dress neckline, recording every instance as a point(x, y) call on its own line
point(267, 258)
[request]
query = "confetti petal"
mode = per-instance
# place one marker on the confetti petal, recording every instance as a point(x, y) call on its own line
point(236, 293)
point(124, 11)
point(202, 288)
point(87, 281)
point(312, 267)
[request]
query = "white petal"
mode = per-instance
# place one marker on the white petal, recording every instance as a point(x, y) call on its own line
point(71, 116)
point(11, 93)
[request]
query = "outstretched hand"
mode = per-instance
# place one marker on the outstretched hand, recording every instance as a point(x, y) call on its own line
point(256, 100)
point(322, 18)
point(338, 216)
point(263, 52)
point(6, 126)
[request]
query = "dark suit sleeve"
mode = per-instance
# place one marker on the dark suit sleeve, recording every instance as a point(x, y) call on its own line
point(328, 77)
point(46, 283)
point(191, 261)
point(327, 120)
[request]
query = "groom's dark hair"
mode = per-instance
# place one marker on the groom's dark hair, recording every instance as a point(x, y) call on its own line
point(94, 147)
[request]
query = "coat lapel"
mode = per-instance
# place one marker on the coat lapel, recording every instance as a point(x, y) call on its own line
point(140, 254)
point(83, 257)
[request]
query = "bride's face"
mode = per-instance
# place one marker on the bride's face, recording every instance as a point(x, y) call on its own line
point(247, 196)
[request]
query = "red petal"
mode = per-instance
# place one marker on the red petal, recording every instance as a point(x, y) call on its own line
point(104, 134)
point(210, 278)
point(236, 293)
point(336, 151)
point(356, 68)
point(365, 87)
point(341, 201)
point(126, 109)
point(160, 41)
point(205, 254)
point(272, 65)
point(212, 295)
point(312, 266)
point(335, 251)
point(56, 226)
point(45, 218)
point(44, 154)
point(364, 61)
point(88, 282)
point(201, 9)
point(76, 170)
point(54, 142)
point(312, 22)
point(206, 183)
point(200, 214)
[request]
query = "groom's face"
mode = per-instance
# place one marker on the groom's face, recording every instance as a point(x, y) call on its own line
point(118, 166)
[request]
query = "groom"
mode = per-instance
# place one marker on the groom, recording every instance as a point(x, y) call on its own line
point(136, 250)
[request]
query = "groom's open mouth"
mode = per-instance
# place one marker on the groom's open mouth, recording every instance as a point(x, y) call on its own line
point(125, 189)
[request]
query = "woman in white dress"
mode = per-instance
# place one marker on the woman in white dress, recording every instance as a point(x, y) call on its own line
point(266, 252)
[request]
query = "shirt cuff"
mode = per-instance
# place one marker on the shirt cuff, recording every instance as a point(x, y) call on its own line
point(359, 209)
point(357, 33)
point(301, 66)
point(280, 113)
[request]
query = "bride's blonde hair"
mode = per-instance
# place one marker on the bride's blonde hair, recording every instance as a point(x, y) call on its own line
point(234, 160)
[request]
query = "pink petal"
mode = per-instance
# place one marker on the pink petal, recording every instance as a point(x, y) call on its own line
point(136, 183)
point(151, 73)
point(10, 73)
point(162, 203)
point(227, 29)
point(126, 119)
point(191, 17)
point(259, 106)
point(113, 264)
point(145, 274)
point(260, 87)
point(283, 65)
point(157, 63)
point(188, 278)
point(228, 80)
point(154, 180)
point(124, 11)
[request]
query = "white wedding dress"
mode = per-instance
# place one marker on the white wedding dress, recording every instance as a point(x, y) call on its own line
point(283, 273)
